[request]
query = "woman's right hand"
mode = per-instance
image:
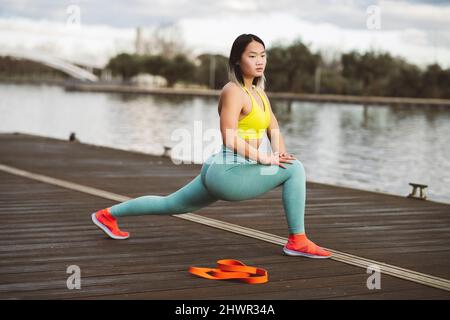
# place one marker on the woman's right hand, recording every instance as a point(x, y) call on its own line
point(272, 159)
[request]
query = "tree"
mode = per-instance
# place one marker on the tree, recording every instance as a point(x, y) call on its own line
point(220, 72)
point(125, 65)
point(291, 68)
point(178, 69)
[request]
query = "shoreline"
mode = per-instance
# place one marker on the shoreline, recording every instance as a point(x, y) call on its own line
point(283, 96)
point(286, 96)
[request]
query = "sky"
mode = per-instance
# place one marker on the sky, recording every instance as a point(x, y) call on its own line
point(91, 32)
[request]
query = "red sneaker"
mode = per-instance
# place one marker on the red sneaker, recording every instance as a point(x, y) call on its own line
point(108, 224)
point(302, 246)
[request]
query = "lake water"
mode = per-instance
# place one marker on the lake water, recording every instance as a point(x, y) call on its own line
point(376, 148)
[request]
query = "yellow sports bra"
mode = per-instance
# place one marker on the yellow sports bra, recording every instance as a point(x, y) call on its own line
point(254, 124)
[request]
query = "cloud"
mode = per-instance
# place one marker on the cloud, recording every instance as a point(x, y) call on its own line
point(416, 30)
point(342, 13)
point(89, 45)
point(216, 35)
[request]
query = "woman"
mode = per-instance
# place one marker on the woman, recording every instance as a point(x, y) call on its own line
point(239, 171)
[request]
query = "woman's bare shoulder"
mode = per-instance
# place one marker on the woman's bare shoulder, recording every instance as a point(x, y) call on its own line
point(231, 88)
point(232, 95)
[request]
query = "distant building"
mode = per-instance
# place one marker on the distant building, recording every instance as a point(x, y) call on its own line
point(149, 80)
point(139, 43)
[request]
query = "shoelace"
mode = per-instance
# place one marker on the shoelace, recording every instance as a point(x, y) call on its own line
point(232, 269)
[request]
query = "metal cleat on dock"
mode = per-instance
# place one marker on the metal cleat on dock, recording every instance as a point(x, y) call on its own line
point(422, 194)
point(167, 151)
point(73, 138)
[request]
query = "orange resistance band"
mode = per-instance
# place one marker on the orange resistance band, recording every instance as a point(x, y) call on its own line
point(232, 269)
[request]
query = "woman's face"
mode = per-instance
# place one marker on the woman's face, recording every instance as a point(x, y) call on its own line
point(253, 60)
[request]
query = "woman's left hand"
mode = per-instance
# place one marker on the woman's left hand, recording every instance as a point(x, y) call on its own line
point(286, 155)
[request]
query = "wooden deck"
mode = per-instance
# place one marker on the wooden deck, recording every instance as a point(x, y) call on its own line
point(46, 228)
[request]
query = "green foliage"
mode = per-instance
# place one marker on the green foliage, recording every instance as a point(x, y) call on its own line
point(179, 68)
point(436, 82)
point(383, 75)
point(126, 65)
point(293, 68)
point(220, 72)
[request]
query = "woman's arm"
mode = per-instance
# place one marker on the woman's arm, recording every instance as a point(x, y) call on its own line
point(274, 134)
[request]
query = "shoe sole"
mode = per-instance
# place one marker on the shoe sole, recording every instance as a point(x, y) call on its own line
point(105, 229)
point(297, 253)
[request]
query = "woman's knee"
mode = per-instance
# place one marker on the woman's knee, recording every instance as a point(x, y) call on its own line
point(296, 168)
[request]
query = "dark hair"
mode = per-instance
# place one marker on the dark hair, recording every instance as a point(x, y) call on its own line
point(234, 70)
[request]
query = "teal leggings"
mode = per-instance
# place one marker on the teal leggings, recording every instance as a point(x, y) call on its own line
point(228, 176)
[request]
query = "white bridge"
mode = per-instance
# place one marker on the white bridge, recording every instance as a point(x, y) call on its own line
point(52, 62)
